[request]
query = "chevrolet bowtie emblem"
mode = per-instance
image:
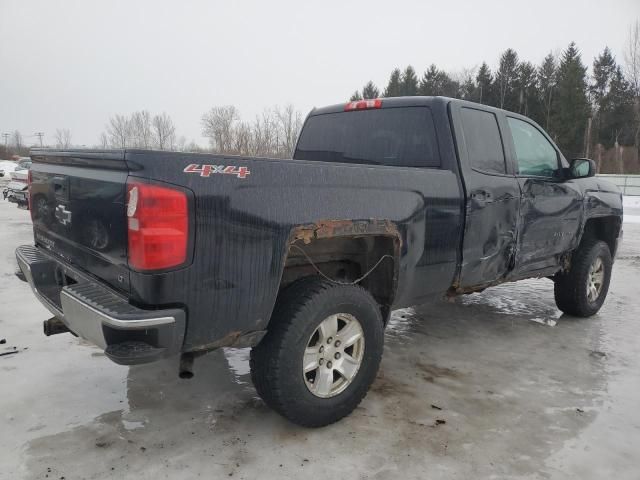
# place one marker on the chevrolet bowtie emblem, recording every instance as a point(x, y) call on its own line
point(63, 215)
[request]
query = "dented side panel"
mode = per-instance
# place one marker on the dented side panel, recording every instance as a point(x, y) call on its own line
point(551, 215)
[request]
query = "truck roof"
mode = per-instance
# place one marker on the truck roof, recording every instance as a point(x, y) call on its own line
point(390, 102)
point(413, 101)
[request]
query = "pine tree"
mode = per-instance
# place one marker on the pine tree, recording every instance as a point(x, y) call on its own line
point(484, 82)
point(355, 96)
point(604, 67)
point(468, 89)
point(527, 86)
point(547, 78)
point(506, 77)
point(569, 119)
point(617, 114)
point(394, 87)
point(370, 90)
point(409, 85)
point(437, 82)
point(428, 81)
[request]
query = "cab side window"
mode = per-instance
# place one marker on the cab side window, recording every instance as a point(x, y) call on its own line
point(483, 141)
point(535, 154)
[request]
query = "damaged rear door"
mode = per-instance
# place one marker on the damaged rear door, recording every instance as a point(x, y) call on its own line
point(492, 196)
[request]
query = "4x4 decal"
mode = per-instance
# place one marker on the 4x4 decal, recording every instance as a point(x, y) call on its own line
point(207, 170)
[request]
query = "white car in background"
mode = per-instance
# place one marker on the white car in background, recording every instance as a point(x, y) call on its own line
point(16, 191)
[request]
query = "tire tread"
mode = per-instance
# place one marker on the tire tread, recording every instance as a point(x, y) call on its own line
point(267, 358)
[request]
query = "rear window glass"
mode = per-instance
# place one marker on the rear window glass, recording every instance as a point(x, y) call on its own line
point(387, 136)
point(482, 138)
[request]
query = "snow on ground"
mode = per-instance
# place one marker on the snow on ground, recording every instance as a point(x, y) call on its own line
point(631, 205)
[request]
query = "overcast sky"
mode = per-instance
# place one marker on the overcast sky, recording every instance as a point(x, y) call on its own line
point(73, 64)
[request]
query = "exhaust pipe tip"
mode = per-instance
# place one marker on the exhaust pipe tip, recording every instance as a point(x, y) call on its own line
point(186, 365)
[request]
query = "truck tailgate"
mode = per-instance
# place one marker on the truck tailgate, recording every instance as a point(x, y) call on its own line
point(78, 210)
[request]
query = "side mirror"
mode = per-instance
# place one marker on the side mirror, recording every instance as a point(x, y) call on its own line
point(582, 168)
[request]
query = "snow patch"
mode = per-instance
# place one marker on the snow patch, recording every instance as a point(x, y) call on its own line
point(631, 206)
point(631, 201)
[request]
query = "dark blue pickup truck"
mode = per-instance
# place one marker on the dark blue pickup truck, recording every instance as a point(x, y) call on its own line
point(385, 203)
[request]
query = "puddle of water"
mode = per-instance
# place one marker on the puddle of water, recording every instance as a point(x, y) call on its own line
point(132, 425)
point(238, 360)
point(530, 299)
point(545, 321)
point(401, 323)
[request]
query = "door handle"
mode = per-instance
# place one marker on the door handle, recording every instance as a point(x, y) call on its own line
point(60, 187)
point(482, 197)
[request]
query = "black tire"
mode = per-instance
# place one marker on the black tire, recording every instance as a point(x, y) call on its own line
point(571, 287)
point(276, 363)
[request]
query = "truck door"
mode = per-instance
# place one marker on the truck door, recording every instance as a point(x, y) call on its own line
point(492, 196)
point(551, 208)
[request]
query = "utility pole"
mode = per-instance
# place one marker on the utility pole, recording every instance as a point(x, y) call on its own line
point(6, 139)
point(40, 135)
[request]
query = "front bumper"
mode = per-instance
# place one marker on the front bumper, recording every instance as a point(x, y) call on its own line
point(128, 334)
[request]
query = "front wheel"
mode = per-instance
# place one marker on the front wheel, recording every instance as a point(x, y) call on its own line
point(582, 290)
point(321, 353)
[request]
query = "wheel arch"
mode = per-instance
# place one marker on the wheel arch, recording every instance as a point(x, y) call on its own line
point(605, 228)
point(344, 251)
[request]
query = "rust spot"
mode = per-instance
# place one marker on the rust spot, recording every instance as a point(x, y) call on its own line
point(344, 228)
point(226, 341)
point(233, 339)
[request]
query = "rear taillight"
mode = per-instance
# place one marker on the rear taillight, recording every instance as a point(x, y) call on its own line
point(29, 180)
point(363, 104)
point(158, 226)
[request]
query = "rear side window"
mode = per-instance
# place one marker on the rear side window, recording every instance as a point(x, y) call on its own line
point(387, 136)
point(482, 138)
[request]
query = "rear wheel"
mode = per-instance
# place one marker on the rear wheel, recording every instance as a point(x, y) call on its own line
point(321, 353)
point(582, 290)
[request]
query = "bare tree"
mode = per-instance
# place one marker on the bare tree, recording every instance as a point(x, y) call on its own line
point(632, 57)
point(63, 138)
point(141, 130)
point(264, 134)
point(17, 140)
point(289, 124)
point(242, 139)
point(632, 72)
point(119, 131)
point(164, 131)
point(104, 140)
point(181, 144)
point(218, 125)
point(193, 147)
point(272, 134)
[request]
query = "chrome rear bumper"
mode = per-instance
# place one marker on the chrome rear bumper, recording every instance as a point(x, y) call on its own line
point(93, 311)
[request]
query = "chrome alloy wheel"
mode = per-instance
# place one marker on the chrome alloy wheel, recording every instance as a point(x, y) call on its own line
point(333, 355)
point(595, 279)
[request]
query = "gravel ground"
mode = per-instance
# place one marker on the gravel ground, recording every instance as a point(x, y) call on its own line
point(493, 385)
